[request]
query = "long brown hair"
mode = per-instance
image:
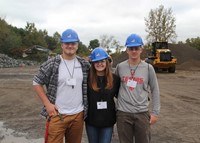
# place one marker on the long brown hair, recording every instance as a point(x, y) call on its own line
point(93, 77)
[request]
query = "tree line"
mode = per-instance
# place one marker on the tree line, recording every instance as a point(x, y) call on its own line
point(160, 26)
point(13, 41)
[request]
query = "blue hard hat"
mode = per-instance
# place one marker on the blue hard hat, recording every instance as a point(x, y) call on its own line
point(134, 40)
point(68, 36)
point(98, 54)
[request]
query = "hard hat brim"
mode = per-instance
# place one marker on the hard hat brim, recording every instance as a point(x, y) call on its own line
point(133, 45)
point(99, 59)
point(69, 41)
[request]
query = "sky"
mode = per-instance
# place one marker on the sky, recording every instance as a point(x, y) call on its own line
point(94, 18)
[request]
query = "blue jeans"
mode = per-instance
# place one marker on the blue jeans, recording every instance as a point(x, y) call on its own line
point(99, 135)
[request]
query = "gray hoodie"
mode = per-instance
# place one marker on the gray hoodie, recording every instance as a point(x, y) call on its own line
point(133, 94)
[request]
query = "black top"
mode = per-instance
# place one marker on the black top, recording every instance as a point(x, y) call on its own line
point(102, 117)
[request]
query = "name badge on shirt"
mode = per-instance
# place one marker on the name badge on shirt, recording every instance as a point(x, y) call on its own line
point(77, 66)
point(102, 105)
point(131, 83)
point(71, 81)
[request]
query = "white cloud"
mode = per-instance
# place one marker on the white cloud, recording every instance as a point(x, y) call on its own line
point(91, 19)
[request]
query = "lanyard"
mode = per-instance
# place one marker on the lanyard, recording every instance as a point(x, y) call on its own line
point(71, 74)
point(134, 69)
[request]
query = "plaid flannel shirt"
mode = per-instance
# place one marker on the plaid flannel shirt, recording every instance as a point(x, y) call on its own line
point(48, 76)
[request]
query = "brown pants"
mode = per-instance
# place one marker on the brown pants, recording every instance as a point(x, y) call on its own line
point(71, 128)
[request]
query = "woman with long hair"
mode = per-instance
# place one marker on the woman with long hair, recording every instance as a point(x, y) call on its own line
point(103, 86)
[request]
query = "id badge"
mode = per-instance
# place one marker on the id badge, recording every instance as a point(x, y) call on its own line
point(71, 81)
point(102, 105)
point(131, 83)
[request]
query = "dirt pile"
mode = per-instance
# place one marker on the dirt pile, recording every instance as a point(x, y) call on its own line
point(178, 120)
point(189, 65)
point(184, 53)
point(187, 57)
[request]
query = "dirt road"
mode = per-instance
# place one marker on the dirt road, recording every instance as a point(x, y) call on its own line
point(179, 120)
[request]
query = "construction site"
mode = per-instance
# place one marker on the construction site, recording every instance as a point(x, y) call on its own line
point(179, 119)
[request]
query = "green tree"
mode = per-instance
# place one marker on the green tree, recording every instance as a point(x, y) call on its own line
point(33, 36)
point(56, 37)
point(51, 42)
point(180, 42)
point(93, 44)
point(82, 51)
point(194, 42)
point(160, 25)
point(8, 38)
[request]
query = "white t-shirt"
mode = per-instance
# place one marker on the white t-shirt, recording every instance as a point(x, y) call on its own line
point(69, 98)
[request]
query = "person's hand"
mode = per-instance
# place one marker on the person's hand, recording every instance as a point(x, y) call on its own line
point(153, 119)
point(51, 109)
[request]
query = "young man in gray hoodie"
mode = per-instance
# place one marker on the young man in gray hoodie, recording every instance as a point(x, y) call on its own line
point(133, 116)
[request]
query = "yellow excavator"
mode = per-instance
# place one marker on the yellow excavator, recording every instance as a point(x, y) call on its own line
point(161, 57)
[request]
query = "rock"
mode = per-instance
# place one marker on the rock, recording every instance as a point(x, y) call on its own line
point(8, 62)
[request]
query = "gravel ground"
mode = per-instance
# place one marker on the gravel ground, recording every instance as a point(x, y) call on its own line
point(179, 120)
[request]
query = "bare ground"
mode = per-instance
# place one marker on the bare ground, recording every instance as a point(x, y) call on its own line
point(179, 120)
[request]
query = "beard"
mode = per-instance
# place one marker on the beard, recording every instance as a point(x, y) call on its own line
point(69, 52)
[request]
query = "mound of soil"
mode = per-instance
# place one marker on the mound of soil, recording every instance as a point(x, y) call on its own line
point(178, 120)
point(189, 65)
point(184, 53)
point(187, 56)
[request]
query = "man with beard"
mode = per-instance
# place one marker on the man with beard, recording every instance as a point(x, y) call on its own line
point(65, 99)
